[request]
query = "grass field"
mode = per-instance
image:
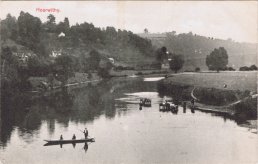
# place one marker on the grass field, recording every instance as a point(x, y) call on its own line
point(234, 80)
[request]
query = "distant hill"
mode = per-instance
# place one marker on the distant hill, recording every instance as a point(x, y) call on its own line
point(195, 48)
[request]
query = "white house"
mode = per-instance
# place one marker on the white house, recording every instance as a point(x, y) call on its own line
point(61, 35)
point(112, 60)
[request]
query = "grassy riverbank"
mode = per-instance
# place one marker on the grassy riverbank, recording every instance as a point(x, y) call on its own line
point(78, 78)
point(234, 80)
point(225, 92)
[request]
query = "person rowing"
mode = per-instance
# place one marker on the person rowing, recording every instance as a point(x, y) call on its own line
point(85, 133)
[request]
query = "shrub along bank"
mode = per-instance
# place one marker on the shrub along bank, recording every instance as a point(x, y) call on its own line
point(218, 97)
point(241, 103)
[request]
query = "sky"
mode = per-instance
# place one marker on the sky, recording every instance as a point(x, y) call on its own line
point(219, 19)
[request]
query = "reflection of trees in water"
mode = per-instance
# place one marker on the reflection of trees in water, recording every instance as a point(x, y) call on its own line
point(92, 102)
point(176, 91)
point(62, 101)
point(15, 111)
point(51, 126)
point(77, 105)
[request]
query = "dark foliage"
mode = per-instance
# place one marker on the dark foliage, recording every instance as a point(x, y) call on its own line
point(178, 92)
point(63, 68)
point(161, 54)
point(38, 66)
point(9, 28)
point(212, 96)
point(197, 69)
point(176, 62)
point(93, 60)
point(217, 60)
point(251, 68)
point(29, 28)
point(246, 109)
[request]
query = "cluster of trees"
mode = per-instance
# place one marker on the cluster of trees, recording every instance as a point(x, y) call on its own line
point(217, 60)
point(41, 38)
point(176, 61)
point(251, 68)
point(195, 48)
point(15, 75)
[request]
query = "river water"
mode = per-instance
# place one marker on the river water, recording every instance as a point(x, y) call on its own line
point(122, 132)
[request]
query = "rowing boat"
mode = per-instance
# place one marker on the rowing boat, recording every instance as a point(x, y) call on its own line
point(57, 142)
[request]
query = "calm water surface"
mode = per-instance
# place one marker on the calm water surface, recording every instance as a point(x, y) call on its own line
point(123, 133)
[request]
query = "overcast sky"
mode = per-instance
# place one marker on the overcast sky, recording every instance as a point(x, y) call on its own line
point(220, 19)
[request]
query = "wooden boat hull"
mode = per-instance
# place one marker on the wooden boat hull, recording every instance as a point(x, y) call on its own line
point(58, 142)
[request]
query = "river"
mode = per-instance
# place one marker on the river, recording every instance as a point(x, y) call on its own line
point(122, 132)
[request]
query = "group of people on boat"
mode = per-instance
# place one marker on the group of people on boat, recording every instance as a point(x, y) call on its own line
point(173, 105)
point(145, 101)
point(85, 132)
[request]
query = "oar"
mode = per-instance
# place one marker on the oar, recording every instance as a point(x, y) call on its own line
point(80, 130)
point(83, 132)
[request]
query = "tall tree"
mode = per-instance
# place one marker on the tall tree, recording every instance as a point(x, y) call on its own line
point(94, 60)
point(9, 28)
point(50, 25)
point(63, 26)
point(161, 54)
point(146, 31)
point(63, 68)
point(29, 30)
point(217, 60)
point(176, 62)
point(51, 19)
point(66, 23)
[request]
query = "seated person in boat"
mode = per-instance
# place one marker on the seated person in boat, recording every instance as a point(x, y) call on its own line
point(61, 137)
point(141, 101)
point(74, 137)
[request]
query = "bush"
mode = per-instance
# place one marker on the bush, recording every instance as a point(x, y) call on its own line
point(188, 70)
point(197, 69)
point(120, 68)
point(245, 68)
point(212, 96)
point(178, 92)
point(104, 73)
point(247, 109)
point(230, 69)
point(139, 73)
point(251, 68)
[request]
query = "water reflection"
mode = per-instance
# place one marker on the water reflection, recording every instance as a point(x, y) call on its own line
point(124, 132)
point(85, 147)
point(78, 105)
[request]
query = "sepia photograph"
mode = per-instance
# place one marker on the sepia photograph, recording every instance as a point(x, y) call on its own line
point(128, 82)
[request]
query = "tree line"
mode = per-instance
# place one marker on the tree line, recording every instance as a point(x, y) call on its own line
point(217, 60)
point(80, 47)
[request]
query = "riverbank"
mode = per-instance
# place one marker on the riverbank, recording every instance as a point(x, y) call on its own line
point(40, 86)
point(234, 80)
point(218, 93)
point(124, 73)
